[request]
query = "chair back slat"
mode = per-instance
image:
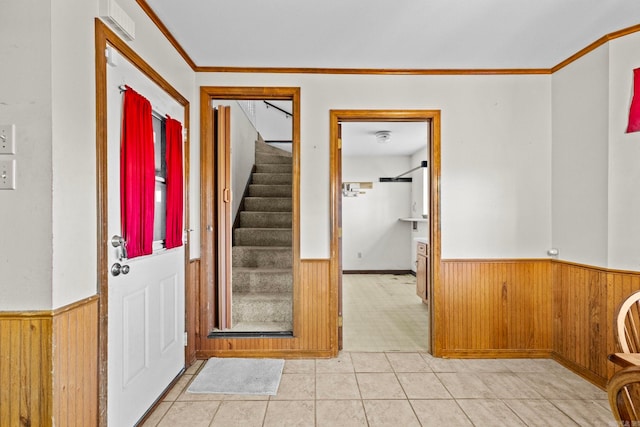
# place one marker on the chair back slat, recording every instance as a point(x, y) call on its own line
point(634, 320)
point(627, 324)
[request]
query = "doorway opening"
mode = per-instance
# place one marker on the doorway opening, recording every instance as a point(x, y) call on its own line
point(384, 217)
point(249, 181)
point(385, 225)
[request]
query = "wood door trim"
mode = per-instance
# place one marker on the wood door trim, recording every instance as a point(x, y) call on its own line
point(338, 171)
point(105, 37)
point(208, 271)
point(223, 207)
point(207, 95)
point(432, 116)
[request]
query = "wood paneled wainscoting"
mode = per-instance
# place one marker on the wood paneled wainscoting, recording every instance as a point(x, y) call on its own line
point(315, 312)
point(75, 364)
point(25, 369)
point(493, 308)
point(586, 299)
point(531, 308)
point(48, 366)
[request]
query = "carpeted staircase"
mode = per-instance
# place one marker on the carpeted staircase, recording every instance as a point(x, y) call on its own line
point(262, 255)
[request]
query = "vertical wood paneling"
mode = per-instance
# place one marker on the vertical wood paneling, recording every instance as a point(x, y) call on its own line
point(619, 286)
point(495, 308)
point(490, 308)
point(586, 300)
point(49, 366)
point(580, 319)
point(25, 369)
point(75, 364)
point(314, 313)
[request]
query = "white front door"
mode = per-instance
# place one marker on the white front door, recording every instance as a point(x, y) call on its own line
point(146, 305)
point(146, 324)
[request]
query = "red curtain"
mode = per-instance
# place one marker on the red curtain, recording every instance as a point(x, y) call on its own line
point(175, 199)
point(634, 111)
point(137, 175)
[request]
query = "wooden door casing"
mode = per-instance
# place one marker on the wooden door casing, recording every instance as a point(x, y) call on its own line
point(433, 117)
point(339, 219)
point(212, 245)
point(222, 144)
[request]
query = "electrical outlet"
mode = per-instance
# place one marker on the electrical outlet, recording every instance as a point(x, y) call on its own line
point(8, 174)
point(7, 139)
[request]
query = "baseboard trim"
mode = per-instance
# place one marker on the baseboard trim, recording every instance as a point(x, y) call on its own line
point(250, 334)
point(395, 272)
point(583, 372)
point(285, 354)
point(495, 354)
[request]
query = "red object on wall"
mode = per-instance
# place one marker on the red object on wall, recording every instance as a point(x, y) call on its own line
point(137, 174)
point(634, 111)
point(175, 201)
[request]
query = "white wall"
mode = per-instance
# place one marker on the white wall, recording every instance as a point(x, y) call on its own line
point(370, 225)
point(624, 157)
point(25, 100)
point(48, 90)
point(73, 136)
point(274, 124)
point(580, 159)
point(496, 151)
point(596, 173)
point(496, 144)
point(243, 143)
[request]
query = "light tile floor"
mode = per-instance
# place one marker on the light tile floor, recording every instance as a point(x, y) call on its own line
point(381, 312)
point(399, 389)
point(374, 384)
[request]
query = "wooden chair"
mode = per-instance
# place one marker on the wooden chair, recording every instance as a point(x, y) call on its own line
point(627, 324)
point(624, 396)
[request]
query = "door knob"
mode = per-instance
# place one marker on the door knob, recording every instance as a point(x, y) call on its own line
point(118, 241)
point(116, 269)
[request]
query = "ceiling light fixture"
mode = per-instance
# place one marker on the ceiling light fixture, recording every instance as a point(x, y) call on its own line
point(383, 136)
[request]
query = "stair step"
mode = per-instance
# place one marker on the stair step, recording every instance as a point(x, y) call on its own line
point(266, 280)
point(274, 168)
point(262, 307)
point(263, 147)
point(271, 178)
point(250, 219)
point(262, 157)
point(262, 256)
point(268, 204)
point(269, 190)
point(262, 237)
point(261, 327)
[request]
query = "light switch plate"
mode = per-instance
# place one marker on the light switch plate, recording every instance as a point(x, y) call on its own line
point(8, 174)
point(7, 139)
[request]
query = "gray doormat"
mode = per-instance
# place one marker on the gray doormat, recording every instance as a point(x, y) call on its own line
point(238, 376)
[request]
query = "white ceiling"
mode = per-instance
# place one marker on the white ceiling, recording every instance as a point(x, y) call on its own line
point(358, 138)
point(390, 34)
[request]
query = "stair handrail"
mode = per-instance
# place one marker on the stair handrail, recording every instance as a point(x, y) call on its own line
point(268, 104)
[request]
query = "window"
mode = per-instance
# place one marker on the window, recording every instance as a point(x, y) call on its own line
point(160, 210)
